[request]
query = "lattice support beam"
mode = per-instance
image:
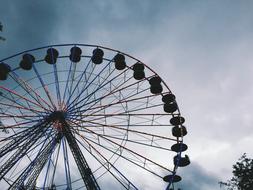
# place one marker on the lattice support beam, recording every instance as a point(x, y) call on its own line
point(36, 166)
point(83, 167)
point(18, 139)
point(4, 169)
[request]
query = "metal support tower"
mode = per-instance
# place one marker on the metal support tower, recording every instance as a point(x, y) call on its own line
point(84, 169)
point(36, 166)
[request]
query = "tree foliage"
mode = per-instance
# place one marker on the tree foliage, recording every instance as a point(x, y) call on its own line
point(242, 175)
point(1, 29)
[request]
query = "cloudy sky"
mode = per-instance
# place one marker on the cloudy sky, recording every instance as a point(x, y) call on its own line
point(202, 49)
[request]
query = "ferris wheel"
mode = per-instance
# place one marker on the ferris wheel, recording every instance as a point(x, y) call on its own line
point(79, 116)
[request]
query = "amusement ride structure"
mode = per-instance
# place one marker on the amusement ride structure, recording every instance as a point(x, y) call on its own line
point(79, 116)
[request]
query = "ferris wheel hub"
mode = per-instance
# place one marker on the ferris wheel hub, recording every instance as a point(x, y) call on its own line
point(57, 116)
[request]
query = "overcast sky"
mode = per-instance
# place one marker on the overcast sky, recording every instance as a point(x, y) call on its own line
point(202, 49)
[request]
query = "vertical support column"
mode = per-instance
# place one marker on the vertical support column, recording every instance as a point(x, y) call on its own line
point(83, 167)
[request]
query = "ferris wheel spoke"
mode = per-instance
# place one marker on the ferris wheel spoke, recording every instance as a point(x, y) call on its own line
point(118, 152)
point(131, 94)
point(79, 80)
point(58, 93)
point(151, 138)
point(86, 79)
point(9, 110)
point(86, 86)
point(44, 86)
point(12, 115)
point(112, 90)
point(20, 106)
point(99, 86)
point(143, 142)
point(122, 179)
point(99, 108)
point(139, 108)
point(147, 135)
point(116, 89)
point(89, 91)
point(145, 99)
point(29, 90)
point(144, 159)
point(120, 86)
point(146, 118)
point(130, 111)
point(5, 115)
point(70, 74)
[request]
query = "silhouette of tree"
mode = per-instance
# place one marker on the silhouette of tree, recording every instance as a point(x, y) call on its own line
point(242, 175)
point(1, 29)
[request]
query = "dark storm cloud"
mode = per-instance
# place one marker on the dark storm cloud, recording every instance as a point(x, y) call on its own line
point(195, 177)
point(27, 24)
point(125, 24)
